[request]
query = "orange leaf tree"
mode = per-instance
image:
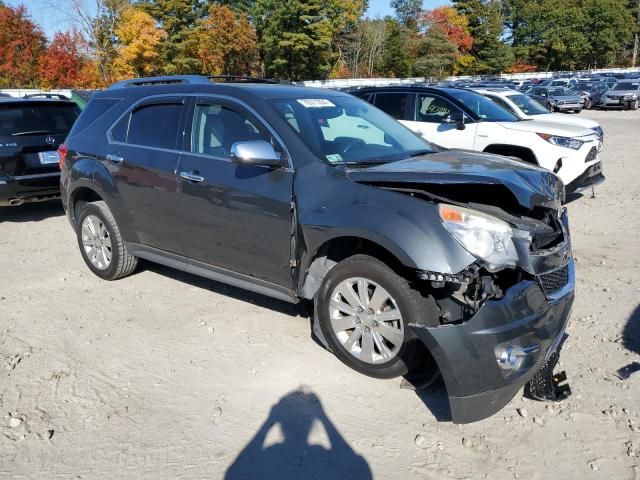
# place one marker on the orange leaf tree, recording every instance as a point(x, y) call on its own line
point(226, 42)
point(21, 44)
point(63, 63)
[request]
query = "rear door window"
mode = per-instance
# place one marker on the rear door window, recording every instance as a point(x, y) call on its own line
point(393, 104)
point(34, 118)
point(153, 125)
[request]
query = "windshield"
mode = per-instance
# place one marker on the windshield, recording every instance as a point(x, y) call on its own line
point(627, 86)
point(33, 118)
point(528, 105)
point(345, 129)
point(560, 92)
point(584, 86)
point(485, 109)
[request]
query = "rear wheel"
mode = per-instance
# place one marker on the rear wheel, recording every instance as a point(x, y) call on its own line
point(100, 243)
point(364, 308)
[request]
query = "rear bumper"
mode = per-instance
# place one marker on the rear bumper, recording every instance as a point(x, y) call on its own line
point(29, 188)
point(467, 356)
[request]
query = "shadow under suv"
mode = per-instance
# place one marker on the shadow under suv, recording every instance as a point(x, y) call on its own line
point(314, 195)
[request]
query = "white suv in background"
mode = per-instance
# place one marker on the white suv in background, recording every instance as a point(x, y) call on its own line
point(462, 119)
point(527, 108)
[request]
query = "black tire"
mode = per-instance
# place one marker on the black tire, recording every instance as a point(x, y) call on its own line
point(633, 105)
point(588, 104)
point(578, 110)
point(413, 306)
point(122, 262)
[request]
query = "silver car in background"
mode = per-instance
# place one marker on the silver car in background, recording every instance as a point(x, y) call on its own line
point(625, 94)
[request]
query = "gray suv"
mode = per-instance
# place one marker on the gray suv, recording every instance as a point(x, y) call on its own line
point(412, 256)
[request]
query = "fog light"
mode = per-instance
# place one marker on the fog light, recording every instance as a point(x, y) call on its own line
point(513, 359)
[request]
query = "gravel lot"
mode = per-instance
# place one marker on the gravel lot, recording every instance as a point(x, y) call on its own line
point(165, 375)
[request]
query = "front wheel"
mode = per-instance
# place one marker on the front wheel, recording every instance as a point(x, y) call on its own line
point(364, 308)
point(588, 104)
point(100, 243)
point(633, 105)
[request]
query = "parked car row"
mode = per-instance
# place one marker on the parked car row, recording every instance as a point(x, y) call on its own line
point(413, 255)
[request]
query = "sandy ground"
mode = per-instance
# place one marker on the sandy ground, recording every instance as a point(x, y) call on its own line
point(167, 376)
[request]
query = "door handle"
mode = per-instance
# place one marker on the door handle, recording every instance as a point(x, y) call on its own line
point(191, 177)
point(115, 158)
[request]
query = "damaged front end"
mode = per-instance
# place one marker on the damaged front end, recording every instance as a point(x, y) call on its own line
point(503, 318)
point(502, 325)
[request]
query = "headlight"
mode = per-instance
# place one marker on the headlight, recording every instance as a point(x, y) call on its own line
point(566, 142)
point(599, 131)
point(484, 236)
point(631, 97)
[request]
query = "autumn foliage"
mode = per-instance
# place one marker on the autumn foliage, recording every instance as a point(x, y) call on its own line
point(138, 54)
point(21, 44)
point(63, 64)
point(226, 42)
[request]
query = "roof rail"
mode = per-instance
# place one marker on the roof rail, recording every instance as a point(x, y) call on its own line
point(164, 80)
point(191, 80)
point(245, 79)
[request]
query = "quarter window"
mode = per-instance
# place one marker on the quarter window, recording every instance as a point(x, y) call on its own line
point(155, 125)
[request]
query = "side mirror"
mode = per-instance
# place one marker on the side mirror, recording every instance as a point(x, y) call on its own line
point(455, 118)
point(255, 152)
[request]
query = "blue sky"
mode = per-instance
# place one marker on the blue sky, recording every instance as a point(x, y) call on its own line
point(381, 7)
point(48, 15)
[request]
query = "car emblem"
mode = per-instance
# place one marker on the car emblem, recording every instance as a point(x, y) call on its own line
point(50, 140)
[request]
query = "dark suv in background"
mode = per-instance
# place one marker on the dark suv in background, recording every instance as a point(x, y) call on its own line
point(314, 195)
point(30, 132)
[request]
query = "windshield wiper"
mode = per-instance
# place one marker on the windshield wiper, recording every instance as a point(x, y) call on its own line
point(420, 153)
point(30, 132)
point(367, 162)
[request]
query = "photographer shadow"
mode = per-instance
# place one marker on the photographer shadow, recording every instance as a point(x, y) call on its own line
point(292, 456)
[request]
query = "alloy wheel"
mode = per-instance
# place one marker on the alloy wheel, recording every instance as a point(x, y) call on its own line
point(366, 320)
point(96, 242)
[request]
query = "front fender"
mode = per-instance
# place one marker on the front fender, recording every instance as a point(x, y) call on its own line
point(408, 227)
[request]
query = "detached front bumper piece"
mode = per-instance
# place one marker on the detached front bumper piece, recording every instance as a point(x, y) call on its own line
point(485, 361)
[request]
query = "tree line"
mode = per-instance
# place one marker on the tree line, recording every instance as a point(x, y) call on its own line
point(313, 39)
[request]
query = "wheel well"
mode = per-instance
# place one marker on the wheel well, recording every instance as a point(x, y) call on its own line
point(337, 249)
point(80, 197)
point(522, 153)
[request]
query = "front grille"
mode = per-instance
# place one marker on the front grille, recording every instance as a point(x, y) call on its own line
point(553, 282)
point(592, 155)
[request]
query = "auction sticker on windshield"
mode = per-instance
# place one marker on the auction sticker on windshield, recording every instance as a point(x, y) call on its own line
point(315, 102)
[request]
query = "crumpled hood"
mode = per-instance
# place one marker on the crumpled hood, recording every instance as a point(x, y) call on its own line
point(551, 128)
point(531, 186)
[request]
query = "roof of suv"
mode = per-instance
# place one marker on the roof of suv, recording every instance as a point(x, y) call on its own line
point(200, 84)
